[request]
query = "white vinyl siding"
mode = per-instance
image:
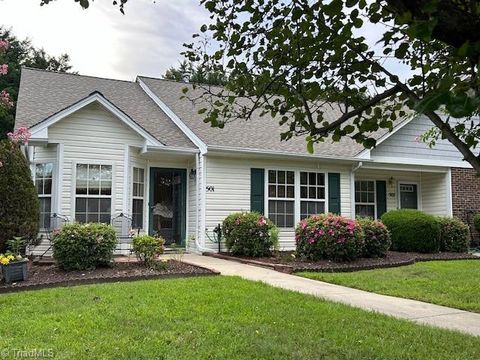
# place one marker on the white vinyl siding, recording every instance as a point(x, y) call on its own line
point(435, 194)
point(93, 135)
point(406, 144)
point(230, 178)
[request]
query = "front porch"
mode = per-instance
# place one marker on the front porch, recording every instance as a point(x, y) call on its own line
point(380, 189)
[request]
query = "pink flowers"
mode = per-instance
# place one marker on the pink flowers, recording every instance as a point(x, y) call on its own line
point(262, 221)
point(5, 99)
point(19, 136)
point(3, 69)
point(4, 44)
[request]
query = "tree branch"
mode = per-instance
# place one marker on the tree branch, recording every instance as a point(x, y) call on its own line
point(356, 112)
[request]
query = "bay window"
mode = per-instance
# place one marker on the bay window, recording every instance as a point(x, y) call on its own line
point(43, 183)
point(93, 193)
point(138, 185)
point(281, 197)
point(312, 194)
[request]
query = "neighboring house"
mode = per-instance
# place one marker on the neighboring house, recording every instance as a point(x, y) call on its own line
point(103, 147)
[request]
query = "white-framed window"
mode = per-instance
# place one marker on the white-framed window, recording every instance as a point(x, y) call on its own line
point(365, 204)
point(93, 193)
point(312, 194)
point(281, 197)
point(138, 188)
point(44, 183)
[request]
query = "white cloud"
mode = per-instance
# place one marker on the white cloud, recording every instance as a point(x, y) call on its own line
point(103, 42)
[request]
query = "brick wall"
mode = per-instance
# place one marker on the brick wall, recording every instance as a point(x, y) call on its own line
point(466, 196)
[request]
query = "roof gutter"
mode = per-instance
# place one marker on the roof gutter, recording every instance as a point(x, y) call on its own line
point(283, 154)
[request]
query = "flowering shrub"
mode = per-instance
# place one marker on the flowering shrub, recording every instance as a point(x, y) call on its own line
point(249, 234)
point(329, 236)
point(5, 99)
point(377, 237)
point(19, 136)
point(147, 248)
point(83, 246)
point(454, 235)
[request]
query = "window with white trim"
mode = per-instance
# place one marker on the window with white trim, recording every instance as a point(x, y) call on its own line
point(312, 194)
point(138, 186)
point(93, 193)
point(365, 198)
point(281, 197)
point(43, 183)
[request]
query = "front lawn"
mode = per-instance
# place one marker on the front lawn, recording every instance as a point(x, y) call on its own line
point(217, 317)
point(450, 283)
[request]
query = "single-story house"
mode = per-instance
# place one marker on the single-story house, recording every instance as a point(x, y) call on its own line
point(103, 147)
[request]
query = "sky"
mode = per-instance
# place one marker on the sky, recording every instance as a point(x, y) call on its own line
point(103, 42)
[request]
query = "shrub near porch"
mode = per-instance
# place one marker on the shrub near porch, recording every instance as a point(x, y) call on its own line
point(250, 234)
point(329, 236)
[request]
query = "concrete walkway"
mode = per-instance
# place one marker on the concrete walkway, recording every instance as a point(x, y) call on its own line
point(420, 312)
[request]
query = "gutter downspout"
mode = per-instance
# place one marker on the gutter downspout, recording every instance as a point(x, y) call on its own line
point(200, 236)
point(352, 187)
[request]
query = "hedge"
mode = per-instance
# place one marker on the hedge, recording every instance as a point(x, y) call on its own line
point(20, 209)
point(413, 230)
point(455, 235)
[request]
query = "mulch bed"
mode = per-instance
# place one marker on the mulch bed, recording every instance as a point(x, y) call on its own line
point(285, 262)
point(46, 276)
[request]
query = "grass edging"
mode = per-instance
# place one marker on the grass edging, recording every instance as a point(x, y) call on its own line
point(289, 269)
point(100, 280)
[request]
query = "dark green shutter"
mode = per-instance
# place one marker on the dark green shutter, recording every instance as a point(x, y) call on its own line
point(381, 198)
point(334, 193)
point(257, 190)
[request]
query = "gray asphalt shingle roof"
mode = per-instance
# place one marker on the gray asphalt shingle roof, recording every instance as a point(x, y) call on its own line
point(44, 93)
point(259, 133)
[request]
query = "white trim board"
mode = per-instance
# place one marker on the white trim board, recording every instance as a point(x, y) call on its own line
point(40, 130)
point(176, 120)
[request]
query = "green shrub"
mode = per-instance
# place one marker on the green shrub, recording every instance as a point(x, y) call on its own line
point(249, 234)
point(329, 236)
point(84, 246)
point(454, 235)
point(377, 237)
point(19, 210)
point(413, 230)
point(476, 221)
point(147, 248)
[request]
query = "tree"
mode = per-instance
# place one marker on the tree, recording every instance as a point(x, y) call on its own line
point(195, 74)
point(19, 212)
point(293, 58)
point(22, 53)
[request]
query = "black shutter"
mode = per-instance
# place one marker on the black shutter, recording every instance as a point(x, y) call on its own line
point(257, 190)
point(381, 198)
point(334, 193)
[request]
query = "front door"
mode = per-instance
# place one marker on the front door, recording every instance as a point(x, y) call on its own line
point(408, 196)
point(167, 204)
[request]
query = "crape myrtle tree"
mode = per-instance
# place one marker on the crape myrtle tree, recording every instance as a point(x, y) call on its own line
point(292, 58)
point(20, 53)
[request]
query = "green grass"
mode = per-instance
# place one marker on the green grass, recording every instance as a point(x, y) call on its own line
point(450, 283)
point(214, 318)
